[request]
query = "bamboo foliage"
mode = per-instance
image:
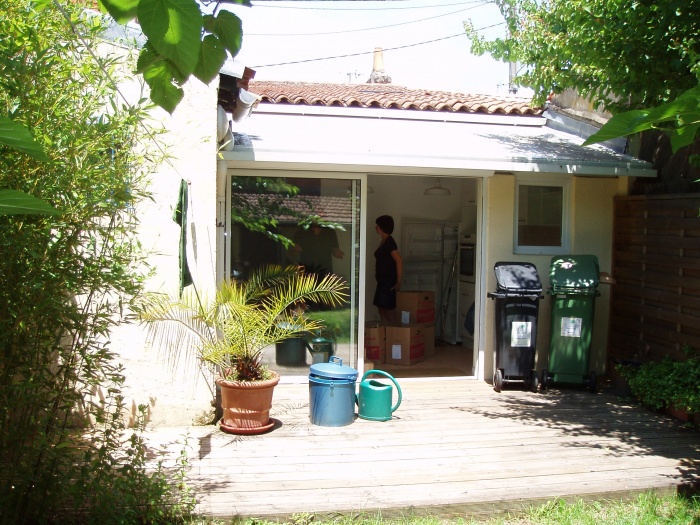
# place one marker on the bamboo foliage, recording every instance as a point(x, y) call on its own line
point(66, 279)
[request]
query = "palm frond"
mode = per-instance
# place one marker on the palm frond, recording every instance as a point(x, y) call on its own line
point(231, 331)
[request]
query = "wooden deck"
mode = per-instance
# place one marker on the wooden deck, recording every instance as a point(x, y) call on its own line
point(454, 447)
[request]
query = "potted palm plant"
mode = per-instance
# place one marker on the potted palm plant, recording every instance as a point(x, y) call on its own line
point(229, 333)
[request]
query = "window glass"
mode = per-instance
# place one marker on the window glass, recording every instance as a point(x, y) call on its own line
point(541, 218)
point(312, 222)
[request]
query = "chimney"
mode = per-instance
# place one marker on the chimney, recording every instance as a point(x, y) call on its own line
point(378, 75)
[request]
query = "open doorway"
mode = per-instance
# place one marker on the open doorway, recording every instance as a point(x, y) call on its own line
point(436, 232)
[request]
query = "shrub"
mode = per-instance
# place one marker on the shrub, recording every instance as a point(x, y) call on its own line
point(667, 383)
point(66, 280)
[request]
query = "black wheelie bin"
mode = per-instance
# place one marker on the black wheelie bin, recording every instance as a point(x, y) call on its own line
point(574, 281)
point(518, 293)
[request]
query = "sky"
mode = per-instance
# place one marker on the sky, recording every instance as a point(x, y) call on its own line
point(423, 42)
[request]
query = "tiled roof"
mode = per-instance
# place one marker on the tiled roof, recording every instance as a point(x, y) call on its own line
point(328, 207)
point(387, 96)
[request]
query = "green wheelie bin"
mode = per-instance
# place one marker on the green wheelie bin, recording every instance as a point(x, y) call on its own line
point(574, 282)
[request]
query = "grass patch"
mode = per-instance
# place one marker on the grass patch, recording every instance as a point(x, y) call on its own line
point(646, 509)
point(336, 321)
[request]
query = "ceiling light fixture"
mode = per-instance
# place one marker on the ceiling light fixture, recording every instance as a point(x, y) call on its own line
point(437, 189)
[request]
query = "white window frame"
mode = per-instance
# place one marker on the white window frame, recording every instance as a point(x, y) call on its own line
point(560, 182)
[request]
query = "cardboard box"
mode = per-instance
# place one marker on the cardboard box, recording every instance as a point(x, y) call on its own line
point(375, 343)
point(405, 345)
point(415, 307)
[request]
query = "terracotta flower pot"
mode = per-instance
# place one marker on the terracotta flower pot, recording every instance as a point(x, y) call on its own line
point(246, 405)
point(679, 413)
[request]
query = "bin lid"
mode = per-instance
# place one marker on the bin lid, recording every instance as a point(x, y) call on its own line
point(519, 277)
point(335, 369)
point(576, 272)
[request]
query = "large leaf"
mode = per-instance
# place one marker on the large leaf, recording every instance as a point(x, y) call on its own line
point(229, 28)
point(212, 56)
point(684, 136)
point(683, 112)
point(164, 92)
point(149, 58)
point(17, 136)
point(14, 202)
point(174, 30)
point(121, 10)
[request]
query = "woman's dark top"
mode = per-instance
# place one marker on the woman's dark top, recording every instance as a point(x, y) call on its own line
point(385, 274)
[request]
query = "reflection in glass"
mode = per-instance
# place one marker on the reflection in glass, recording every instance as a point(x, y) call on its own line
point(312, 222)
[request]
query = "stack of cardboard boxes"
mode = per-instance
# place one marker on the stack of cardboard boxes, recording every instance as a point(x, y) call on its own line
point(411, 339)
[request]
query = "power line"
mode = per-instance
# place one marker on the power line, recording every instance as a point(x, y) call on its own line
point(371, 28)
point(372, 52)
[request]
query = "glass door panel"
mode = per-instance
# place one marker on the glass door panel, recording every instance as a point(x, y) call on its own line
point(313, 222)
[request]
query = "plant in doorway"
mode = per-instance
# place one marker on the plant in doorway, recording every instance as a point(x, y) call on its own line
point(229, 333)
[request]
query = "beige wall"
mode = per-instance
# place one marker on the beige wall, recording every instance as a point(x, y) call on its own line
point(190, 144)
point(174, 393)
point(592, 217)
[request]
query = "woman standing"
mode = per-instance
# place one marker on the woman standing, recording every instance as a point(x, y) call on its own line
point(388, 270)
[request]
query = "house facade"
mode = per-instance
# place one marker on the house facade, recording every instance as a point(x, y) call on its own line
point(480, 172)
point(509, 184)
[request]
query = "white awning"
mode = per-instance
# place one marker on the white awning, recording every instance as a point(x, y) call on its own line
point(414, 142)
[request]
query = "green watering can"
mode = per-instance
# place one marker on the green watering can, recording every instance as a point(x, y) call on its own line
point(374, 398)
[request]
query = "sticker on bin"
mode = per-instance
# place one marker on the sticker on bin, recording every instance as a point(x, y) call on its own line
point(571, 326)
point(520, 334)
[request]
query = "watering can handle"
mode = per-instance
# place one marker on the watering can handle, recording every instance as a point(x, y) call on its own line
point(386, 374)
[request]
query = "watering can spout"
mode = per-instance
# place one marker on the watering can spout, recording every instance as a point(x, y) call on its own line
point(374, 397)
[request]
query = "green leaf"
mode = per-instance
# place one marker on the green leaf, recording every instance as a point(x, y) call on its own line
point(147, 58)
point(40, 5)
point(173, 28)
point(621, 125)
point(684, 136)
point(17, 136)
point(212, 56)
point(121, 10)
point(229, 28)
point(164, 91)
point(14, 202)
point(684, 108)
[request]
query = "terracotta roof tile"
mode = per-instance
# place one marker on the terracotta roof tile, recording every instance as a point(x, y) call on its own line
point(387, 96)
point(328, 207)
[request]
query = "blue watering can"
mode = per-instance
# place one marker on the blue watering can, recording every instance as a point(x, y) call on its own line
point(374, 398)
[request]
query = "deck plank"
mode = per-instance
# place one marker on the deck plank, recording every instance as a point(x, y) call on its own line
point(453, 447)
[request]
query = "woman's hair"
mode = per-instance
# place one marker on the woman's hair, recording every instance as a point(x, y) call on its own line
point(386, 223)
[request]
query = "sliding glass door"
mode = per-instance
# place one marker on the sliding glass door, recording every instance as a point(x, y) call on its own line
point(312, 221)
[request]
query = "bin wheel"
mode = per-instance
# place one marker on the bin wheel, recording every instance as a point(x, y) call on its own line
point(533, 381)
point(498, 380)
point(592, 382)
point(545, 382)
